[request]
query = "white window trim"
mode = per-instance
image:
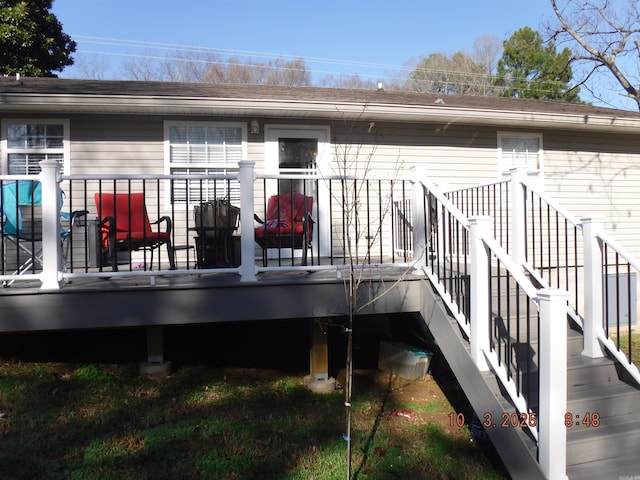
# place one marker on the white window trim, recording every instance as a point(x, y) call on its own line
point(183, 123)
point(537, 172)
point(66, 142)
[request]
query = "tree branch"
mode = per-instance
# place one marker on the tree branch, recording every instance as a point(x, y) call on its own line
point(600, 55)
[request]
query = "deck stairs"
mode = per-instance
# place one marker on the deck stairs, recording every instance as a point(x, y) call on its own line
point(606, 448)
point(610, 446)
point(516, 449)
point(603, 399)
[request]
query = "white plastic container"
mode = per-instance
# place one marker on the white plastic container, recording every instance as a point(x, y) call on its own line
point(403, 360)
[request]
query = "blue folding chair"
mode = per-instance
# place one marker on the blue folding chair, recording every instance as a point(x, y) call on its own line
point(21, 209)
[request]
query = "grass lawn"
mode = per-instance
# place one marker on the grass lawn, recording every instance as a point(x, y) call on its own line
point(633, 342)
point(80, 417)
point(65, 420)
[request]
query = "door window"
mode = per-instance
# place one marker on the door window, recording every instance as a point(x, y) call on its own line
point(297, 156)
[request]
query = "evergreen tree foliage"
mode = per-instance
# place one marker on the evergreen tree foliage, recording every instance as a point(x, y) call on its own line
point(32, 42)
point(530, 69)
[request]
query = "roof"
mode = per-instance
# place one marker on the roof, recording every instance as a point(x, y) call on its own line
point(140, 97)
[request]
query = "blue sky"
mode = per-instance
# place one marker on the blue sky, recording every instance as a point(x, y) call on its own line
point(371, 38)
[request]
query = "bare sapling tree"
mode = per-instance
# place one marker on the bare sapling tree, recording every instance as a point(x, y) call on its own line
point(486, 52)
point(354, 150)
point(458, 74)
point(605, 36)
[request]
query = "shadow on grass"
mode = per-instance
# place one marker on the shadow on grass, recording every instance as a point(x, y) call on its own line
point(367, 447)
point(90, 416)
point(200, 423)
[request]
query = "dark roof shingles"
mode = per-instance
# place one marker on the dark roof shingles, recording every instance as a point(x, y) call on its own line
point(44, 86)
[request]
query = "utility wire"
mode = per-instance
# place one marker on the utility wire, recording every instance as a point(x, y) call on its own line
point(449, 79)
point(245, 53)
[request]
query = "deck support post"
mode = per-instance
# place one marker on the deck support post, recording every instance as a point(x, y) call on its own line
point(479, 328)
point(155, 345)
point(593, 311)
point(155, 367)
point(319, 354)
point(552, 432)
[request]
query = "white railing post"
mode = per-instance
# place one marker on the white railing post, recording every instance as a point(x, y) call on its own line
point(480, 255)
point(552, 432)
point(51, 246)
point(420, 221)
point(593, 291)
point(247, 239)
point(518, 216)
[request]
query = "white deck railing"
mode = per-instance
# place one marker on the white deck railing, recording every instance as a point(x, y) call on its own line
point(583, 272)
point(448, 246)
point(366, 211)
point(459, 247)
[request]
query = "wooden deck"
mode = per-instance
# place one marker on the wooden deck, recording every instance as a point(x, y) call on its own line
point(199, 296)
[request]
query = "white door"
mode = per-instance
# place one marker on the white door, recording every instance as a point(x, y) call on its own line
point(305, 152)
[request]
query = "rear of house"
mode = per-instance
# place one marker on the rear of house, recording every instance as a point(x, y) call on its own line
point(587, 158)
point(132, 135)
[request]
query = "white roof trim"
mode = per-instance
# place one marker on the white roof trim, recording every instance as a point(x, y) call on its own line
point(174, 105)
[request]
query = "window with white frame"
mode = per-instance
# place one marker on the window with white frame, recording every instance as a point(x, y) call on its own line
point(26, 143)
point(519, 150)
point(199, 148)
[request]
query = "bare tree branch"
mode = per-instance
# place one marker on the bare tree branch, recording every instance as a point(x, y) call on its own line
point(604, 31)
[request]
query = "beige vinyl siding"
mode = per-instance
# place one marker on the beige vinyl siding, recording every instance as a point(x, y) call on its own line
point(453, 155)
point(586, 174)
point(117, 144)
point(598, 175)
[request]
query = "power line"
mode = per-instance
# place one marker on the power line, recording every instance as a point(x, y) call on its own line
point(214, 50)
point(466, 80)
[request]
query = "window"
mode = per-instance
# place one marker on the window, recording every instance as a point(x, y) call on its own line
point(202, 149)
point(27, 143)
point(519, 150)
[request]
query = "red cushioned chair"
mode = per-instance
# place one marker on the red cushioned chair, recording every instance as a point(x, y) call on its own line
point(289, 224)
point(125, 226)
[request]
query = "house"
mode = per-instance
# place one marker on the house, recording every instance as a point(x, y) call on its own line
point(585, 157)
point(184, 143)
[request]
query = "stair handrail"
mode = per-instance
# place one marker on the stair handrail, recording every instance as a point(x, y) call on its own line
point(587, 324)
point(431, 189)
point(483, 251)
point(519, 177)
point(517, 273)
point(552, 202)
point(532, 293)
point(606, 340)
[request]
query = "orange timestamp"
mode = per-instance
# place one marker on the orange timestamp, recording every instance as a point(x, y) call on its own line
point(588, 419)
point(507, 420)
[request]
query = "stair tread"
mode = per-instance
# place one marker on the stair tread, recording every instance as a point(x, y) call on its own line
point(617, 467)
point(599, 390)
point(580, 361)
point(615, 425)
point(609, 442)
point(632, 420)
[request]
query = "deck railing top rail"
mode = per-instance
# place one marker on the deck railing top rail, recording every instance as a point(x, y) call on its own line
point(560, 250)
point(464, 256)
point(378, 221)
